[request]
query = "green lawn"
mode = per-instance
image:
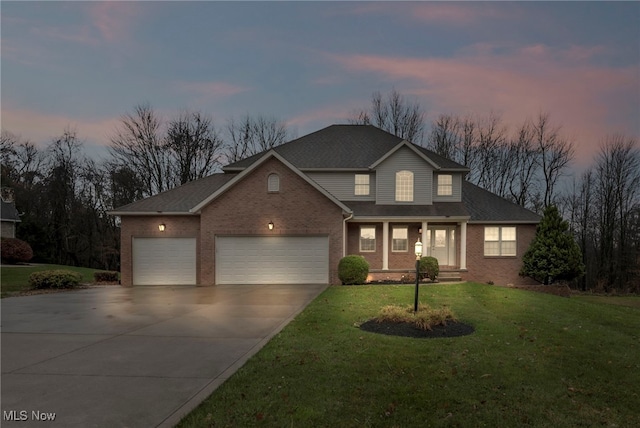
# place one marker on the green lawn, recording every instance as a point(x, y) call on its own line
point(16, 278)
point(534, 360)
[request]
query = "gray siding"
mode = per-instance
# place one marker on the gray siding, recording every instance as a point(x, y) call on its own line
point(342, 185)
point(456, 196)
point(404, 159)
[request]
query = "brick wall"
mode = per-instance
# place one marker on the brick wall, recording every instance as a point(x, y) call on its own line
point(247, 208)
point(147, 227)
point(499, 270)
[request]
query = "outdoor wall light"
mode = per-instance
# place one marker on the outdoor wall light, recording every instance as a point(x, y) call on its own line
point(161, 227)
point(270, 225)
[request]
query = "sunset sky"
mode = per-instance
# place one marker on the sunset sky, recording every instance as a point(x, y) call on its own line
point(312, 64)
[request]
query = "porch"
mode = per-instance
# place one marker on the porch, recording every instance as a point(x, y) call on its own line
point(388, 246)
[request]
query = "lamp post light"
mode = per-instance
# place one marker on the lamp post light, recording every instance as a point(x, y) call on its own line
point(418, 251)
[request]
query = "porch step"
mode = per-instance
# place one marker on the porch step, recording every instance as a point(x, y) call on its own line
point(449, 276)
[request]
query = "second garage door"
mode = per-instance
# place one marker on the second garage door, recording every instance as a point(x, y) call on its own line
point(272, 260)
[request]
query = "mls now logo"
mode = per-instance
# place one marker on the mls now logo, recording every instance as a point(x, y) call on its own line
point(23, 415)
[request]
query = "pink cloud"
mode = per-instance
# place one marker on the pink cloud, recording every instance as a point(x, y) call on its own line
point(41, 128)
point(211, 89)
point(587, 100)
point(441, 13)
point(113, 20)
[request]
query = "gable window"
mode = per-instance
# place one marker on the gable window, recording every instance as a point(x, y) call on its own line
point(400, 239)
point(273, 183)
point(499, 241)
point(445, 185)
point(404, 186)
point(367, 238)
point(362, 184)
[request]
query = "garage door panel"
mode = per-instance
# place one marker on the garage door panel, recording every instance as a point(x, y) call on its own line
point(272, 260)
point(164, 261)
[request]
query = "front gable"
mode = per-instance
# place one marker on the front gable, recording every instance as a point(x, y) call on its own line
point(268, 158)
point(401, 160)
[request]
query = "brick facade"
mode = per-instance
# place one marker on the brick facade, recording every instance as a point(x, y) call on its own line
point(247, 208)
point(499, 270)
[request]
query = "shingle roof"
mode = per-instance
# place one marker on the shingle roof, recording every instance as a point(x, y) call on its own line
point(8, 212)
point(178, 200)
point(341, 147)
point(485, 206)
point(438, 209)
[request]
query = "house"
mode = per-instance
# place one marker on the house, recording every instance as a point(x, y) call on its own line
point(288, 215)
point(8, 214)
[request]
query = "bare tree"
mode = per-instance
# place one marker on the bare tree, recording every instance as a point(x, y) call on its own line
point(446, 136)
point(555, 154)
point(139, 145)
point(617, 179)
point(395, 115)
point(195, 146)
point(523, 155)
point(252, 135)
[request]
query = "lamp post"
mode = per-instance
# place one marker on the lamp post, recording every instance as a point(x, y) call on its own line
point(418, 251)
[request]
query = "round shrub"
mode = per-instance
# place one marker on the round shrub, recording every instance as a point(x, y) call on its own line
point(15, 251)
point(55, 279)
point(429, 268)
point(106, 276)
point(353, 270)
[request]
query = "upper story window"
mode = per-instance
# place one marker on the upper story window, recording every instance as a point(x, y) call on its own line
point(499, 241)
point(273, 183)
point(362, 184)
point(400, 239)
point(404, 186)
point(445, 185)
point(367, 238)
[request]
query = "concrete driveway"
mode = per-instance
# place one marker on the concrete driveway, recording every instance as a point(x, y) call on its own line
point(132, 357)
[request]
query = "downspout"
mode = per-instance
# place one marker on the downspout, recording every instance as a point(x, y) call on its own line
point(344, 234)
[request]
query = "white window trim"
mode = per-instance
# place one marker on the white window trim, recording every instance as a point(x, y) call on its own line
point(363, 188)
point(406, 239)
point(273, 183)
point(360, 239)
point(445, 189)
point(500, 242)
point(404, 186)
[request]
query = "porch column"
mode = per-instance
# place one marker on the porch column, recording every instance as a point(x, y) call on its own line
point(426, 246)
point(385, 245)
point(463, 245)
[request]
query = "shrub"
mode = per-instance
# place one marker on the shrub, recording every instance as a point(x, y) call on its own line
point(553, 254)
point(105, 276)
point(15, 251)
point(353, 269)
point(425, 318)
point(429, 268)
point(55, 279)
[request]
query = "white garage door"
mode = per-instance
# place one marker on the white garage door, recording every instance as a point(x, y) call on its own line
point(272, 260)
point(164, 261)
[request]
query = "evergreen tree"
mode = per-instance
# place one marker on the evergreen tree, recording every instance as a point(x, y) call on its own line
point(553, 253)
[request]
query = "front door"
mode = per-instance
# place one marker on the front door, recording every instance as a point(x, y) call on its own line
point(442, 246)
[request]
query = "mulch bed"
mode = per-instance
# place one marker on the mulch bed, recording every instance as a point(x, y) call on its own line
point(452, 329)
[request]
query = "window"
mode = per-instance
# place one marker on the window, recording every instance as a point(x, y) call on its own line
point(445, 185)
point(399, 239)
point(273, 183)
point(404, 186)
point(499, 241)
point(362, 184)
point(367, 238)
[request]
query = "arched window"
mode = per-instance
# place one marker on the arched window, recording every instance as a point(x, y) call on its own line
point(404, 186)
point(273, 183)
